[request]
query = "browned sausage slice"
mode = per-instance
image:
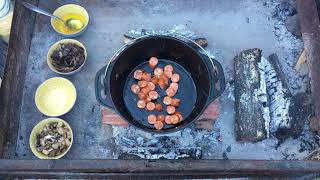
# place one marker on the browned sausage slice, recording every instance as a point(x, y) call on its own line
point(154, 80)
point(168, 74)
point(151, 106)
point(137, 74)
point(141, 104)
point(158, 107)
point(135, 88)
point(170, 92)
point(161, 83)
point(174, 119)
point(160, 118)
point(170, 109)
point(175, 102)
point(153, 61)
point(174, 86)
point(168, 68)
point(152, 119)
point(148, 99)
point(167, 100)
point(167, 119)
point(145, 90)
point(142, 83)
point(153, 95)
point(146, 76)
point(158, 125)
point(175, 77)
point(151, 86)
point(165, 79)
point(142, 96)
point(158, 72)
point(179, 115)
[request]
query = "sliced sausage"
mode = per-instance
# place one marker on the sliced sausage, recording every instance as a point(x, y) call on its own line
point(168, 68)
point(175, 102)
point(158, 125)
point(161, 83)
point(142, 96)
point(165, 79)
point(160, 118)
point(148, 99)
point(153, 61)
point(179, 115)
point(138, 74)
point(135, 88)
point(146, 76)
point(175, 77)
point(174, 86)
point(152, 119)
point(153, 95)
point(170, 92)
point(158, 107)
point(170, 109)
point(167, 119)
point(141, 104)
point(151, 86)
point(175, 119)
point(168, 74)
point(158, 72)
point(145, 90)
point(154, 80)
point(142, 83)
point(151, 106)
point(167, 100)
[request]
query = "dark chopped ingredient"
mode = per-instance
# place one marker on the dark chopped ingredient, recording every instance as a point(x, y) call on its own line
point(68, 57)
point(54, 139)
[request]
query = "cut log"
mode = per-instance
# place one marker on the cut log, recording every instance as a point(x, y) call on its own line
point(309, 23)
point(250, 97)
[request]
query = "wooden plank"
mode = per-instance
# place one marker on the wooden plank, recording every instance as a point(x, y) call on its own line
point(155, 168)
point(310, 28)
point(13, 81)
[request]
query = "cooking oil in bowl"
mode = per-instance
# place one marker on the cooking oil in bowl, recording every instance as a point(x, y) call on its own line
point(79, 23)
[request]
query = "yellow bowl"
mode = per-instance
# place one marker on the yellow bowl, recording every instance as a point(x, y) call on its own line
point(70, 11)
point(56, 46)
point(37, 129)
point(55, 97)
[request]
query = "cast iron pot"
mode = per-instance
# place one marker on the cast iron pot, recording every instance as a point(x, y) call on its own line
point(202, 79)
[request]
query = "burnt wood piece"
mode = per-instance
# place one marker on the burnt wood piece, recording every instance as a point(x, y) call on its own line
point(200, 41)
point(249, 120)
point(309, 23)
point(3, 55)
point(274, 61)
point(13, 81)
point(147, 169)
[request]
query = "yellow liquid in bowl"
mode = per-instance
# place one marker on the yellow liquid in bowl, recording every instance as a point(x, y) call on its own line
point(61, 27)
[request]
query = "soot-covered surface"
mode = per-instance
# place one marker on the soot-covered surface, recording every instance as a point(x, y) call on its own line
point(230, 27)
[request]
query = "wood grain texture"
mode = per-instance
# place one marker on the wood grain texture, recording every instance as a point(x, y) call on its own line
point(310, 28)
point(13, 80)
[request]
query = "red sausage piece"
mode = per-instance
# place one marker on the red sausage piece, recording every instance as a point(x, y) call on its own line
point(174, 86)
point(170, 109)
point(167, 119)
point(153, 95)
point(158, 72)
point(142, 96)
point(158, 125)
point(151, 86)
point(152, 119)
point(160, 118)
point(175, 102)
point(168, 68)
point(170, 92)
point(135, 88)
point(141, 104)
point(151, 106)
point(138, 74)
point(158, 107)
point(174, 119)
point(175, 77)
point(142, 84)
point(167, 100)
point(153, 61)
point(146, 76)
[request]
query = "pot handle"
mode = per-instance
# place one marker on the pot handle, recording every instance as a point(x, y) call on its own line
point(218, 85)
point(101, 87)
